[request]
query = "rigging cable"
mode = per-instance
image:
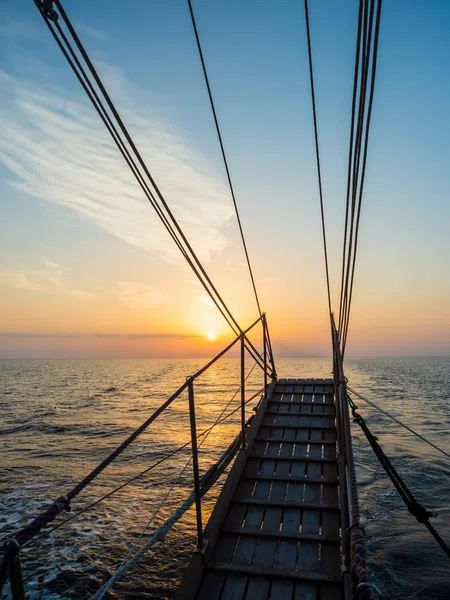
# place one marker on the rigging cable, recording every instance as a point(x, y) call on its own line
point(384, 412)
point(119, 571)
point(350, 154)
point(51, 17)
point(163, 458)
point(316, 137)
point(417, 510)
point(222, 149)
point(367, 38)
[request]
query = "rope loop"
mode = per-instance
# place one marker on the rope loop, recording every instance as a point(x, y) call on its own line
point(343, 380)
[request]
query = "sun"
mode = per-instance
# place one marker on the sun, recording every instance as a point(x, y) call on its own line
point(211, 336)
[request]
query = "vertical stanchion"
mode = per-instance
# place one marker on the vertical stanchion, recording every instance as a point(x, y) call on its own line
point(16, 579)
point(265, 352)
point(243, 389)
point(198, 502)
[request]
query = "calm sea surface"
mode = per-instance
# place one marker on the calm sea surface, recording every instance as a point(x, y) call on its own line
point(59, 418)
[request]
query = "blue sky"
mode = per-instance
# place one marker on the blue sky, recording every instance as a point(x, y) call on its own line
point(67, 201)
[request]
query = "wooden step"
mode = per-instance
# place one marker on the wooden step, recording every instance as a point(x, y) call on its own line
point(291, 479)
point(302, 427)
point(283, 504)
point(254, 571)
point(307, 459)
point(297, 414)
point(295, 403)
point(298, 442)
point(282, 535)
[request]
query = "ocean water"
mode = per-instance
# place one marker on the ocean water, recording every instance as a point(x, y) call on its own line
point(59, 418)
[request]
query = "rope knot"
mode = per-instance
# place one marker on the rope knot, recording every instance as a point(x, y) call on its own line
point(419, 511)
point(49, 11)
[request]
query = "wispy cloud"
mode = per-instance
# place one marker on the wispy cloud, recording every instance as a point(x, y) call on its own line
point(139, 295)
point(204, 299)
point(49, 279)
point(52, 265)
point(58, 151)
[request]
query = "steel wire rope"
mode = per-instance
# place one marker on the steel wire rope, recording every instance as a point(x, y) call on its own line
point(222, 149)
point(50, 16)
point(32, 529)
point(421, 514)
point(396, 420)
point(129, 481)
point(357, 168)
point(316, 137)
point(355, 127)
point(363, 173)
point(93, 96)
point(355, 159)
point(165, 457)
point(138, 155)
point(113, 579)
point(350, 153)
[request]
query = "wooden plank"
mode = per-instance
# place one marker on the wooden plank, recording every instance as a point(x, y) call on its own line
point(330, 559)
point(293, 440)
point(273, 402)
point(308, 559)
point(234, 588)
point(212, 586)
point(282, 590)
point(276, 573)
point(298, 459)
point(224, 549)
point(305, 591)
point(258, 588)
point(267, 546)
point(278, 491)
point(255, 517)
point(269, 421)
point(284, 533)
point(236, 517)
point(245, 548)
point(311, 521)
point(293, 478)
point(303, 415)
point(330, 523)
point(281, 504)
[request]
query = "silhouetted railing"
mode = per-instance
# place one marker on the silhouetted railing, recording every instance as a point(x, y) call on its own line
point(11, 564)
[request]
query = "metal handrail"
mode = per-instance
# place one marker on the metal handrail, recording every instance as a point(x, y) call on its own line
point(11, 564)
point(353, 545)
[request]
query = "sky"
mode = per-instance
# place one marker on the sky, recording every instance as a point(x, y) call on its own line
point(86, 268)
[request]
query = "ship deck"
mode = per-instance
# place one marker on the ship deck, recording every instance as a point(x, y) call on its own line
point(276, 531)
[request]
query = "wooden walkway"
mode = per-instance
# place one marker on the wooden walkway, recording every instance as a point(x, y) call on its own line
point(280, 537)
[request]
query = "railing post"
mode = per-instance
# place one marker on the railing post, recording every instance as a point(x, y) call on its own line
point(16, 579)
point(243, 389)
point(265, 352)
point(198, 501)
